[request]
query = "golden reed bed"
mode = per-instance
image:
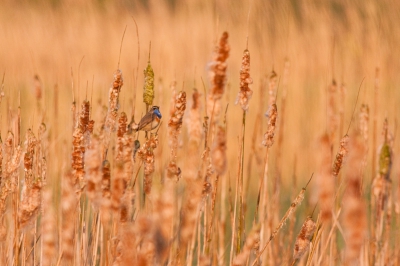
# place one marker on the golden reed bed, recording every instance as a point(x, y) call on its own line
point(248, 140)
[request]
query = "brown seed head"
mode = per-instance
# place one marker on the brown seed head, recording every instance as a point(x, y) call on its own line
point(269, 135)
point(146, 154)
point(217, 74)
point(30, 204)
point(303, 239)
point(245, 92)
point(84, 116)
point(343, 150)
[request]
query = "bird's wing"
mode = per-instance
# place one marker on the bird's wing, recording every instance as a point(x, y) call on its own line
point(147, 119)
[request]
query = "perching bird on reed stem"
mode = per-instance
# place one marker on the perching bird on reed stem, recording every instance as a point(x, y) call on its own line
point(149, 121)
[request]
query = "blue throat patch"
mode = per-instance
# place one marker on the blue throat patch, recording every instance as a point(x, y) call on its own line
point(157, 113)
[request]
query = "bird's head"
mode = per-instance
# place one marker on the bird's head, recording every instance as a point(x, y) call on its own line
point(156, 111)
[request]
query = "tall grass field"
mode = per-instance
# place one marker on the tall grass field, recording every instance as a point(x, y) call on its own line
point(172, 132)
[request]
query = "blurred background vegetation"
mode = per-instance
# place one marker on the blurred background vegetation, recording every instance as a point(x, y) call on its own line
point(322, 40)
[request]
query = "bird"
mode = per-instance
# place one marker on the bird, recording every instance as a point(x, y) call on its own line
point(150, 120)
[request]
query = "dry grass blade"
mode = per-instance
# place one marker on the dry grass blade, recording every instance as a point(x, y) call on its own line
point(297, 201)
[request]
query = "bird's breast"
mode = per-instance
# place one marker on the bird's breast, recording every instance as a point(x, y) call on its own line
point(155, 122)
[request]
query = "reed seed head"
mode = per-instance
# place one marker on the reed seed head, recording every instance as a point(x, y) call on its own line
point(217, 74)
point(148, 90)
point(245, 92)
point(303, 239)
point(272, 115)
point(343, 150)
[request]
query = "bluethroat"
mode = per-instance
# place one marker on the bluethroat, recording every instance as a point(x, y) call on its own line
point(150, 121)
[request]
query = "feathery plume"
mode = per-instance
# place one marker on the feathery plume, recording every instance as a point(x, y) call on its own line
point(83, 121)
point(146, 154)
point(245, 92)
point(122, 129)
point(12, 169)
point(30, 144)
point(174, 129)
point(217, 74)
point(269, 135)
point(78, 151)
point(30, 203)
point(303, 239)
point(113, 106)
point(343, 150)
